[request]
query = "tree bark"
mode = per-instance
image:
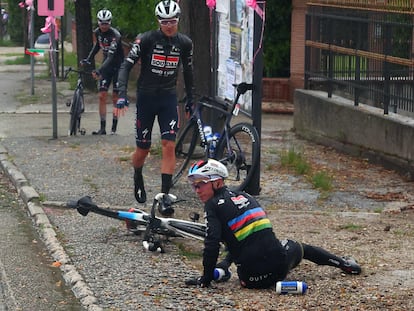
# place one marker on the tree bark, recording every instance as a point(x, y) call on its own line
point(84, 40)
point(195, 22)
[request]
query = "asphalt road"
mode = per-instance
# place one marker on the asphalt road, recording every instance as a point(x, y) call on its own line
point(29, 280)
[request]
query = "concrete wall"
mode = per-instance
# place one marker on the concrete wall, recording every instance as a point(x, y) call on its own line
point(362, 130)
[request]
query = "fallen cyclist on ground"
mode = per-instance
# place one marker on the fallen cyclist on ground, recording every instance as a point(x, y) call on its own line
point(238, 220)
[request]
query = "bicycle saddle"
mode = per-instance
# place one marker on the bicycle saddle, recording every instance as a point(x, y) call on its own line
point(84, 205)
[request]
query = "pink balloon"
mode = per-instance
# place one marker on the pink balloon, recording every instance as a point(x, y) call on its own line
point(48, 26)
point(211, 3)
point(251, 3)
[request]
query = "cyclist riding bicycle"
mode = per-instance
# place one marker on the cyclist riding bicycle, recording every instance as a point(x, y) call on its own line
point(238, 220)
point(161, 52)
point(109, 40)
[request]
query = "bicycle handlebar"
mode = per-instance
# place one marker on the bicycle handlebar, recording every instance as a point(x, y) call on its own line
point(70, 69)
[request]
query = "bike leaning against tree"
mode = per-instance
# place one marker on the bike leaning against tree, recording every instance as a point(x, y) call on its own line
point(236, 146)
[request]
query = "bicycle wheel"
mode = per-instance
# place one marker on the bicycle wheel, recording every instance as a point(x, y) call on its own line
point(240, 156)
point(75, 108)
point(184, 149)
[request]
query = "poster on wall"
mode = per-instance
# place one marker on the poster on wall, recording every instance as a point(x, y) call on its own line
point(235, 24)
point(236, 10)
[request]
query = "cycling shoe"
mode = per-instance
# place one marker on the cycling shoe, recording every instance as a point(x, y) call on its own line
point(140, 195)
point(139, 190)
point(165, 205)
point(350, 266)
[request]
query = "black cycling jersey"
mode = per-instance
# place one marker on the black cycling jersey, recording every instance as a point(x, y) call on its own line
point(111, 45)
point(160, 59)
point(238, 220)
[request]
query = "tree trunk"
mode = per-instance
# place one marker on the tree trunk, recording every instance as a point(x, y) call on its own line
point(84, 37)
point(195, 22)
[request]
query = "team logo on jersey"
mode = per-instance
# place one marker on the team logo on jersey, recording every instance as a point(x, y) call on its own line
point(241, 201)
point(164, 61)
point(104, 43)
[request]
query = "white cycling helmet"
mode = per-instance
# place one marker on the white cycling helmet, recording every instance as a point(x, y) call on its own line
point(207, 170)
point(167, 9)
point(104, 16)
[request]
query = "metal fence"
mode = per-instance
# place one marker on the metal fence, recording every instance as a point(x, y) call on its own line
point(365, 55)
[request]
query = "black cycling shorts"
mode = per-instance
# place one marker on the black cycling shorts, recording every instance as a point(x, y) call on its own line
point(272, 268)
point(294, 252)
point(164, 106)
point(109, 75)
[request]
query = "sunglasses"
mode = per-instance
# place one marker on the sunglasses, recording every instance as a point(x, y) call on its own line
point(168, 22)
point(103, 23)
point(199, 184)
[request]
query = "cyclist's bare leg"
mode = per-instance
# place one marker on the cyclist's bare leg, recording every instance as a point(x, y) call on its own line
point(167, 164)
point(102, 113)
point(138, 160)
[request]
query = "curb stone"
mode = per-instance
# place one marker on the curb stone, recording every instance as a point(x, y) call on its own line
point(48, 235)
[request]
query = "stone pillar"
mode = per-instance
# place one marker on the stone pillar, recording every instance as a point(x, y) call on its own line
point(297, 46)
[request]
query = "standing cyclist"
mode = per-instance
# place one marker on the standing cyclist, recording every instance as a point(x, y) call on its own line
point(109, 40)
point(239, 221)
point(161, 52)
point(4, 21)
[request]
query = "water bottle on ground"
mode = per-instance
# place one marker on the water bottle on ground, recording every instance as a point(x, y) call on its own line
point(291, 287)
point(221, 275)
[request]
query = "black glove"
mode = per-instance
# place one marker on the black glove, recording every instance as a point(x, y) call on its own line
point(198, 281)
point(85, 61)
point(122, 103)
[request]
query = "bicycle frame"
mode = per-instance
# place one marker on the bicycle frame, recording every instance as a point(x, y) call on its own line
point(196, 118)
point(241, 88)
point(140, 221)
point(74, 124)
point(79, 84)
point(228, 109)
